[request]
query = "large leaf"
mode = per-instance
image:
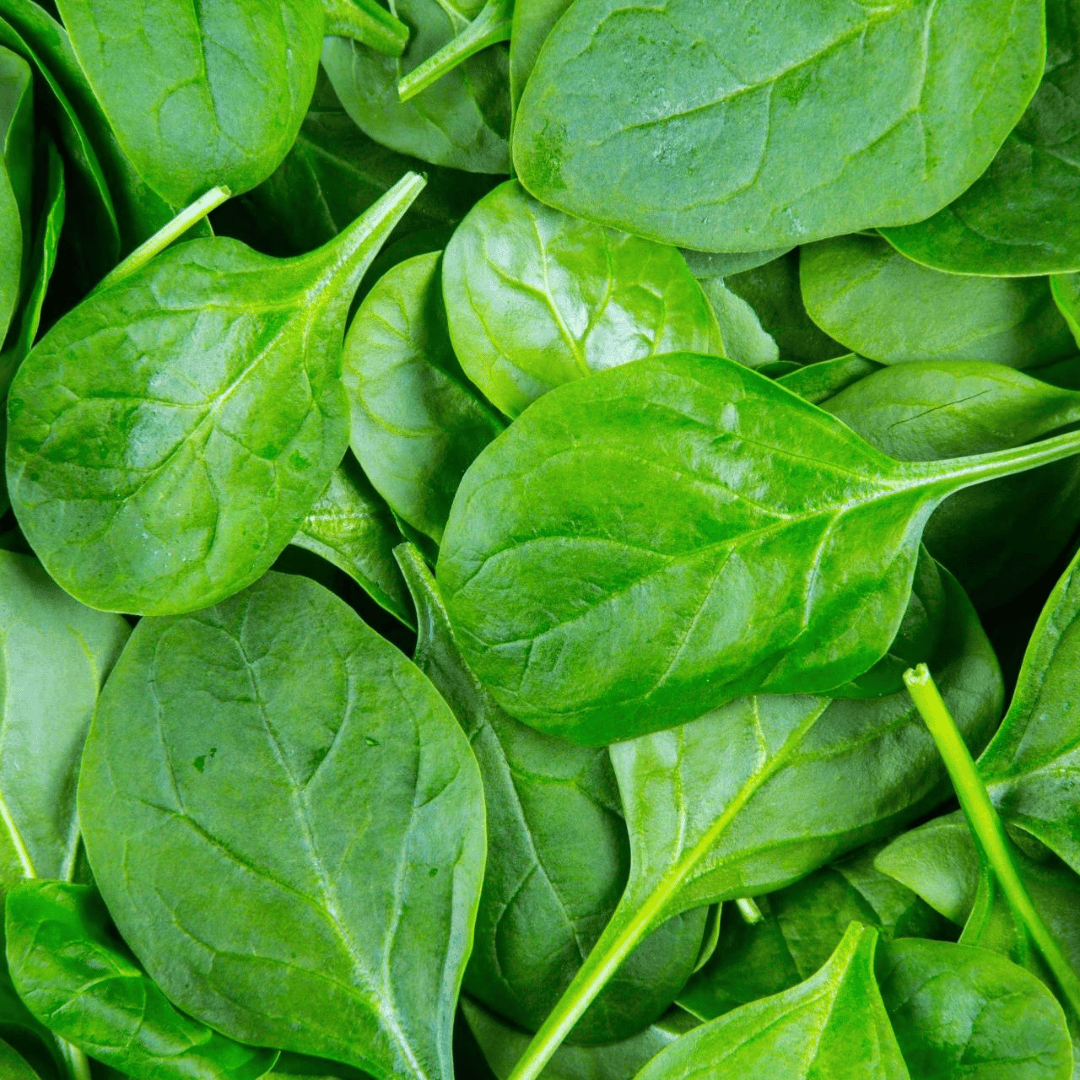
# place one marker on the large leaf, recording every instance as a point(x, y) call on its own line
point(741, 127)
point(417, 421)
point(661, 537)
point(328, 815)
point(168, 436)
point(16, 160)
point(833, 1025)
point(536, 298)
point(1017, 218)
point(559, 858)
point(890, 309)
point(81, 982)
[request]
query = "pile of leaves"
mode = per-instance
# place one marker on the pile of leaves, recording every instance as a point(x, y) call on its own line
point(539, 540)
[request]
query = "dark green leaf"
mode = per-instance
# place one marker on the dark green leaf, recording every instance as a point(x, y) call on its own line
point(168, 436)
point(326, 810)
point(532, 22)
point(13, 1066)
point(735, 128)
point(417, 421)
point(817, 383)
point(886, 307)
point(16, 159)
point(536, 298)
point(79, 980)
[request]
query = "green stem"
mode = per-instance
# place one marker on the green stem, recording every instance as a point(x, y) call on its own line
point(164, 237)
point(492, 24)
point(749, 910)
point(78, 1067)
point(986, 826)
point(368, 22)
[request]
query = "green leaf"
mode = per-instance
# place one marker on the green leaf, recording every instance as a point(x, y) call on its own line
point(328, 815)
point(1017, 218)
point(167, 437)
point(817, 383)
point(886, 307)
point(536, 298)
point(828, 118)
point(417, 421)
point(961, 1012)
point(833, 1025)
point(677, 532)
point(559, 858)
point(16, 168)
point(532, 22)
point(741, 335)
point(13, 1066)
point(80, 981)
point(463, 121)
point(351, 527)
point(722, 264)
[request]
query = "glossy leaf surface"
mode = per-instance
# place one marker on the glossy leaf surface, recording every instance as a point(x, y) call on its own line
point(886, 307)
point(817, 383)
point(638, 602)
point(81, 982)
point(16, 158)
point(821, 114)
point(212, 369)
point(417, 420)
point(1017, 217)
point(327, 936)
point(536, 298)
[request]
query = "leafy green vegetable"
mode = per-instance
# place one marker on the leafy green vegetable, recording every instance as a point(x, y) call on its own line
point(817, 383)
point(888, 308)
point(821, 114)
point(327, 812)
point(14, 1066)
point(16, 157)
point(1017, 217)
point(741, 335)
point(781, 561)
point(417, 421)
point(221, 377)
point(80, 980)
point(531, 23)
point(536, 298)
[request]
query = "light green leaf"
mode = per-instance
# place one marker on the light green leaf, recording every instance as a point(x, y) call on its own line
point(16, 159)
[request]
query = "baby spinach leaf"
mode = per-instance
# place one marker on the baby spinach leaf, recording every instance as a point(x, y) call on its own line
point(532, 22)
point(833, 1025)
point(167, 437)
point(886, 307)
point(536, 298)
point(822, 115)
point(16, 158)
point(417, 421)
point(13, 1065)
point(999, 537)
point(463, 121)
point(219, 94)
point(327, 815)
point(1065, 289)
point(817, 383)
point(958, 1011)
point(741, 335)
point(80, 981)
point(721, 264)
point(699, 834)
point(1017, 217)
point(679, 531)
point(559, 858)
point(351, 527)
point(54, 657)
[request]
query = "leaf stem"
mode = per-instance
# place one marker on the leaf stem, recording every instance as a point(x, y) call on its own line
point(169, 232)
point(986, 826)
point(749, 910)
point(367, 22)
point(491, 25)
point(78, 1066)
point(979, 468)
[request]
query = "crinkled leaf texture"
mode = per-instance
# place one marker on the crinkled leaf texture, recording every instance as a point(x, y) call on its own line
point(287, 825)
point(736, 127)
point(167, 437)
point(80, 981)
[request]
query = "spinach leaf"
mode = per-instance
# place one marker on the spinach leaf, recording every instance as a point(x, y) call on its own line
point(167, 437)
point(559, 858)
point(821, 114)
point(886, 307)
point(1017, 217)
point(1065, 289)
point(999, 537)
point(802, 925)
point(417, 421)
point(13, 1065)
point(327, 814)
point(531, 24)
point(833, 1025)
point(741, 335)
point(79, 980)
point(536, 298)
point(721, 264)
point(463, 121)
point(351, 527)
point(219, 93)
point(700, 834)
point(817, 383)
point(16, 157)
point(677, 532)
point(959, 1012)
